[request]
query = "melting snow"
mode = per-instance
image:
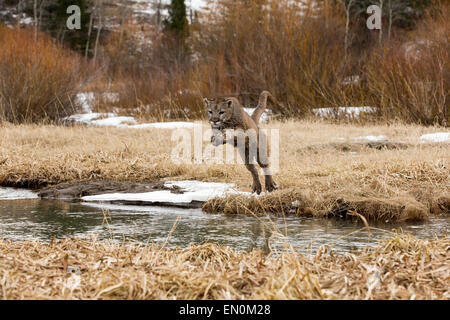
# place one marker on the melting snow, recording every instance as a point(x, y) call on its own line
point(371, 138)
point(264, 116)
point(436, 137)
point(87, 99)
point(114, 121)
point(342, 111)
point(193, 191)
point(166, 125)
point(16, 194)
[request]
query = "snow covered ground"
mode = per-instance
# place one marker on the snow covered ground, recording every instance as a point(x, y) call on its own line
point(264, 117)
point(348, 112)
point(111, 120)
point(16, 194)
point(371, 138)
point(436, 137)
point(193, 191)
point(86, 100)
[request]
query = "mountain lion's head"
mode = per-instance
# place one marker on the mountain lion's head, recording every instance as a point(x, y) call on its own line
point(219, 111)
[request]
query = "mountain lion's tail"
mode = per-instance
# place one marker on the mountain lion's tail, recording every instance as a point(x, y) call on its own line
point(262, 102)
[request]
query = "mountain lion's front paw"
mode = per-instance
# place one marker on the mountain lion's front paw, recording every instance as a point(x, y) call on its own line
point(256, 187)
point(217, 138)
point(271, 185)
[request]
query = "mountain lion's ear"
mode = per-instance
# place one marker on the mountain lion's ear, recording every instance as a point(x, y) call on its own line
point(206, 102)
point(229, 103)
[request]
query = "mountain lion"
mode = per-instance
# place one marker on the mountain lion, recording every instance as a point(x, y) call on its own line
point(228, 113)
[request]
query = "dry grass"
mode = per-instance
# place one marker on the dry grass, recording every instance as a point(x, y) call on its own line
point(412, 180)
point(345, 205)
point(401, 267)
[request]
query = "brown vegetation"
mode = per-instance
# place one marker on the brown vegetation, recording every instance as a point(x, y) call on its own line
point(380, 184)
point(400, 267)
point(38, 79)
point(305, 62)
point(308, 58)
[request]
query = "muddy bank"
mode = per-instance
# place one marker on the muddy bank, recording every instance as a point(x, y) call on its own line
point(74, 191)
point(414, 206)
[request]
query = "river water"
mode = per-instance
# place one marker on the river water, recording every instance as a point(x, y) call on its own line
point(43, 219)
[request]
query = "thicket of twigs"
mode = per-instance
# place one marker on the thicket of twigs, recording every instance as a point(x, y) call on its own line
point(308, 57)
point(38, 78)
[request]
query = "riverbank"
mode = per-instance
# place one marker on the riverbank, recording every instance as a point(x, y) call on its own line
point(381, 172)
point(79, 269)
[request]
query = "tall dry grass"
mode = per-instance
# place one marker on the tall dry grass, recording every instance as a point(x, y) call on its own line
point(295, 57)
point(411, 80)
point(316, 166)
point(303, 56)
point(400, 267)
point(38, 78)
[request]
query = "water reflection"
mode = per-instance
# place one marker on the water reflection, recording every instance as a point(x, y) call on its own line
point(31, 219)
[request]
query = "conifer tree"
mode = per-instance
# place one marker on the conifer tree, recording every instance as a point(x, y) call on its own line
point(177, 22)
point(56, 18)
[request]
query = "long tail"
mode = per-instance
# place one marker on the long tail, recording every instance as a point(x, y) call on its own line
point(262, 102)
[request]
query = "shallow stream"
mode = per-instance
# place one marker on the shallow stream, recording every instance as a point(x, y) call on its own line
point(29, 219)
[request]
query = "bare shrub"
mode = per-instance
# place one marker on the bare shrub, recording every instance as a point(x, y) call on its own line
point(38, 79)
point(411, 80)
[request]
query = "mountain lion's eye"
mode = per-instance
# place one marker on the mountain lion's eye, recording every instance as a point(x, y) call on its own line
point(209, 111)
point(221, 112)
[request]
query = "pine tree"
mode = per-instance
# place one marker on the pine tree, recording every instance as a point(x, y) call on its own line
point(55, 23)
point(177, 22)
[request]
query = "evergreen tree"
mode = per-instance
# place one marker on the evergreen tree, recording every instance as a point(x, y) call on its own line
point(401, 13)
point(177, 22)
point(56, 18)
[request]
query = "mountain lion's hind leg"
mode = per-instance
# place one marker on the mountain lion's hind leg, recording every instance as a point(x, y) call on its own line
point(256, 185)
point(264, 162)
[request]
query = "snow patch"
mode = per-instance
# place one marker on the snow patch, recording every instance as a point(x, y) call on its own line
point(436, 137)
point(166, 125)
point(87, 118)
point(114, 121)
point(85, 100)
point(372, 138)
point(349, 112)
point(16, 194)
point(193, 191)
point(264, 116)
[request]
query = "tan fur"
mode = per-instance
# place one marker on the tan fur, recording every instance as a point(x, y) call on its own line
point(228, 113)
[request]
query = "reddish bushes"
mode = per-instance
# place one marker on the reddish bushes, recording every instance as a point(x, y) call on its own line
point(38, 79)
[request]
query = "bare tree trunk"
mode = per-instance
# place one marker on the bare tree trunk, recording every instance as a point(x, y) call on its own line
point(91, 20)
point(40, 15)
point(158, 14)
point(380, 35)
point(347, 26)
point(123, 17)
point(390, 19)
point(99, 29)
point(35, 16)
point(19, 10)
